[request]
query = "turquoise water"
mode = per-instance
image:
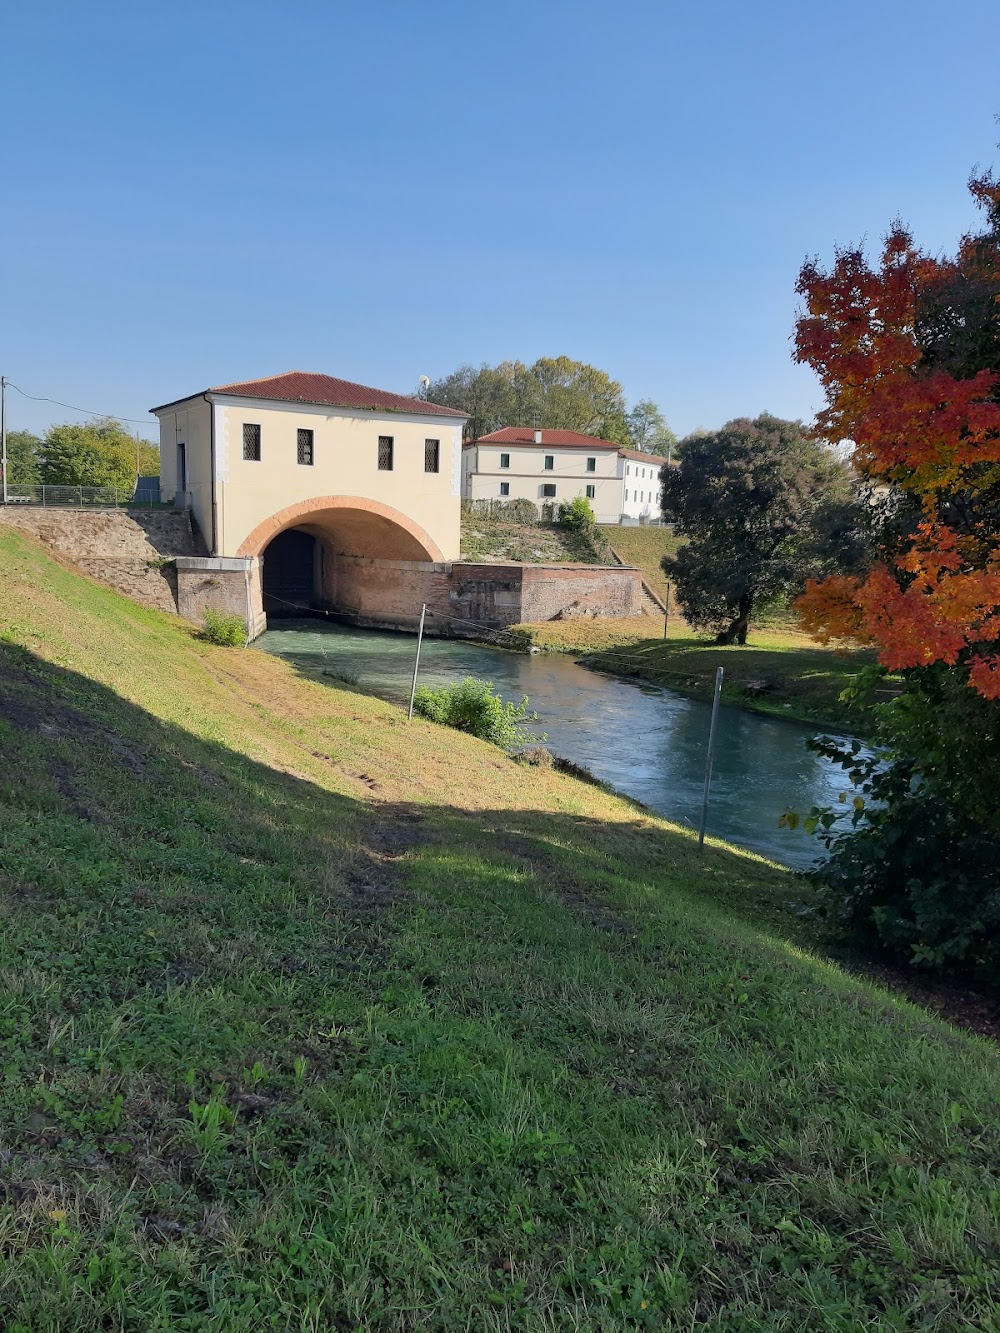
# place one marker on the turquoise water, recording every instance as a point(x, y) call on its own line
point(646, 741)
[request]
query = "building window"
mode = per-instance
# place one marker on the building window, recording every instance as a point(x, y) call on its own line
point(591, 464)
point(505, 460)
point(626, 497)
point(591, 492)
point(549, 490)
point(251, 443)
point(432, 455)
point(304, 444)
point(385, 453)
point(505, 488)
point(550, 462)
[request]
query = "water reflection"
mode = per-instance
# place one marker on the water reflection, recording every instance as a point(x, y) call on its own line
point(647, 742)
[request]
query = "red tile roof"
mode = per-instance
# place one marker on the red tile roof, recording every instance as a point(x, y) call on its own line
point(302, 386)
point(526, 435)
point(653, 459)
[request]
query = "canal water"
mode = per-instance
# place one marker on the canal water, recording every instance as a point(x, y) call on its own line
point(646, 741)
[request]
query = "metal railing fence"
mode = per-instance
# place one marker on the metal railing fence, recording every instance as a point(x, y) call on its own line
point(80, 497)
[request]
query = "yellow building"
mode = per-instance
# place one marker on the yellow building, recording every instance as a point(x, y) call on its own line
point(253, 459)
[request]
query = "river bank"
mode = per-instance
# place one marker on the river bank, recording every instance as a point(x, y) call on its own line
point(318, 1017)
point(780, 672)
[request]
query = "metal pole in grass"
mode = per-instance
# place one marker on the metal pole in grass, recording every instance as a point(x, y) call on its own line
point(666, 611)
point(416, 660)
point(708, 761)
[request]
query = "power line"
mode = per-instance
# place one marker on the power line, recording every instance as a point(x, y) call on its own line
point(110, 416)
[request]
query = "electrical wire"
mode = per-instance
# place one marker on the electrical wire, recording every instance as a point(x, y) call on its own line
point(110, 416)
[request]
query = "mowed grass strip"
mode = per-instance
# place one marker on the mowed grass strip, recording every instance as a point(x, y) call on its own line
point(315, 1020)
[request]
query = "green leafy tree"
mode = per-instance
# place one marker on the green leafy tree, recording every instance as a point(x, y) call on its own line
point(22, 458)
point(101, 453)
point(648, 429)
point(556, 393)
point(754, 500)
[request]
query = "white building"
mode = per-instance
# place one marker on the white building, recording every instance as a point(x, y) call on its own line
point(549, 467)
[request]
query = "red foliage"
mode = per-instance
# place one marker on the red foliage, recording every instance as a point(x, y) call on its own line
point(915, 426)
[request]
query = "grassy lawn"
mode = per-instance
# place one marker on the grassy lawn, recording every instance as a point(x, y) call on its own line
point(316, 1020)
point(780, 671)
point(644, 547)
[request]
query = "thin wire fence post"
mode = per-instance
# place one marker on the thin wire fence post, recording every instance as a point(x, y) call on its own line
point(416, 660)
point(708, 761)
point(666, 611)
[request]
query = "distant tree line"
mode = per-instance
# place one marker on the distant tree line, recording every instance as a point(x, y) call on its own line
point(554, 393)
point(101, 453)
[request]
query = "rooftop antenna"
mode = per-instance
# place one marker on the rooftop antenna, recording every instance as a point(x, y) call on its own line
point(425, 384)
point(535, 414)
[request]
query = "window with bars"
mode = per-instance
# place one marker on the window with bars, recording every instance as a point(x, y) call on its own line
point(591, 492)
point(385, 453)
point(251, 442)
point(304, 447)
point(505, 460)
point(432, 455)
point(549, 490)
point(591, 464)
point(505, 488)
point(550, 462)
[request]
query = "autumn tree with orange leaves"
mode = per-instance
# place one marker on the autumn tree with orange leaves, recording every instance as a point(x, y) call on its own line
point(908, 353)
point(909, 357)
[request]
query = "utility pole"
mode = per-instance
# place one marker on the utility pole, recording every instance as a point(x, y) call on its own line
point(3, 432)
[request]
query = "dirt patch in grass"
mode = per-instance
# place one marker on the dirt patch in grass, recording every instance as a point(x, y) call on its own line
point(974, 1008)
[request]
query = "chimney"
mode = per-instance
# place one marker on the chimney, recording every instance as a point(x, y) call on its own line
point(538, 437)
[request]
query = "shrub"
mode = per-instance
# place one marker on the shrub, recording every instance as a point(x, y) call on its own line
point(473, 706)
point(577, 515)
point(228, 631)
point(909, 868)
point(523, 511)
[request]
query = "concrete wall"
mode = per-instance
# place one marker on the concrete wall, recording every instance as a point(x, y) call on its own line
point(129, 550)
point(345, 452)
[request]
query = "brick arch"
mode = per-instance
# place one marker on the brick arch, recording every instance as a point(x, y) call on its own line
point(382, 530)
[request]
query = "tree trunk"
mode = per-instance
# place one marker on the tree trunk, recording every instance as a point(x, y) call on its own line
point(736, 630)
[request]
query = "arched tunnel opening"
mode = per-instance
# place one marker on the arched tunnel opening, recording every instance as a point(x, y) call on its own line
point(340, 559)
point(290, 576)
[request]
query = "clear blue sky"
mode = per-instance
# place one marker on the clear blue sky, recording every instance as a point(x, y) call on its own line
point(197, 193)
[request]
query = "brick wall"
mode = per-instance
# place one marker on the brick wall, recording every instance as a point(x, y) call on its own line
point(126, 549)
point(230, 585)
point(390, 592)
point(581, 590)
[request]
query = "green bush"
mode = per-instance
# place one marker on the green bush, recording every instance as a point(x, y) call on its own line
point(228, 631)
point(473, 706)
point(577, 515)
point(909, 868)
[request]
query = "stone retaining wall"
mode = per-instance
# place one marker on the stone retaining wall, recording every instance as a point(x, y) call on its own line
point(130, 550)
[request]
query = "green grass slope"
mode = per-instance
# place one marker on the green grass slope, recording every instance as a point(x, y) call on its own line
point(312, 1019)
point(644, 547)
